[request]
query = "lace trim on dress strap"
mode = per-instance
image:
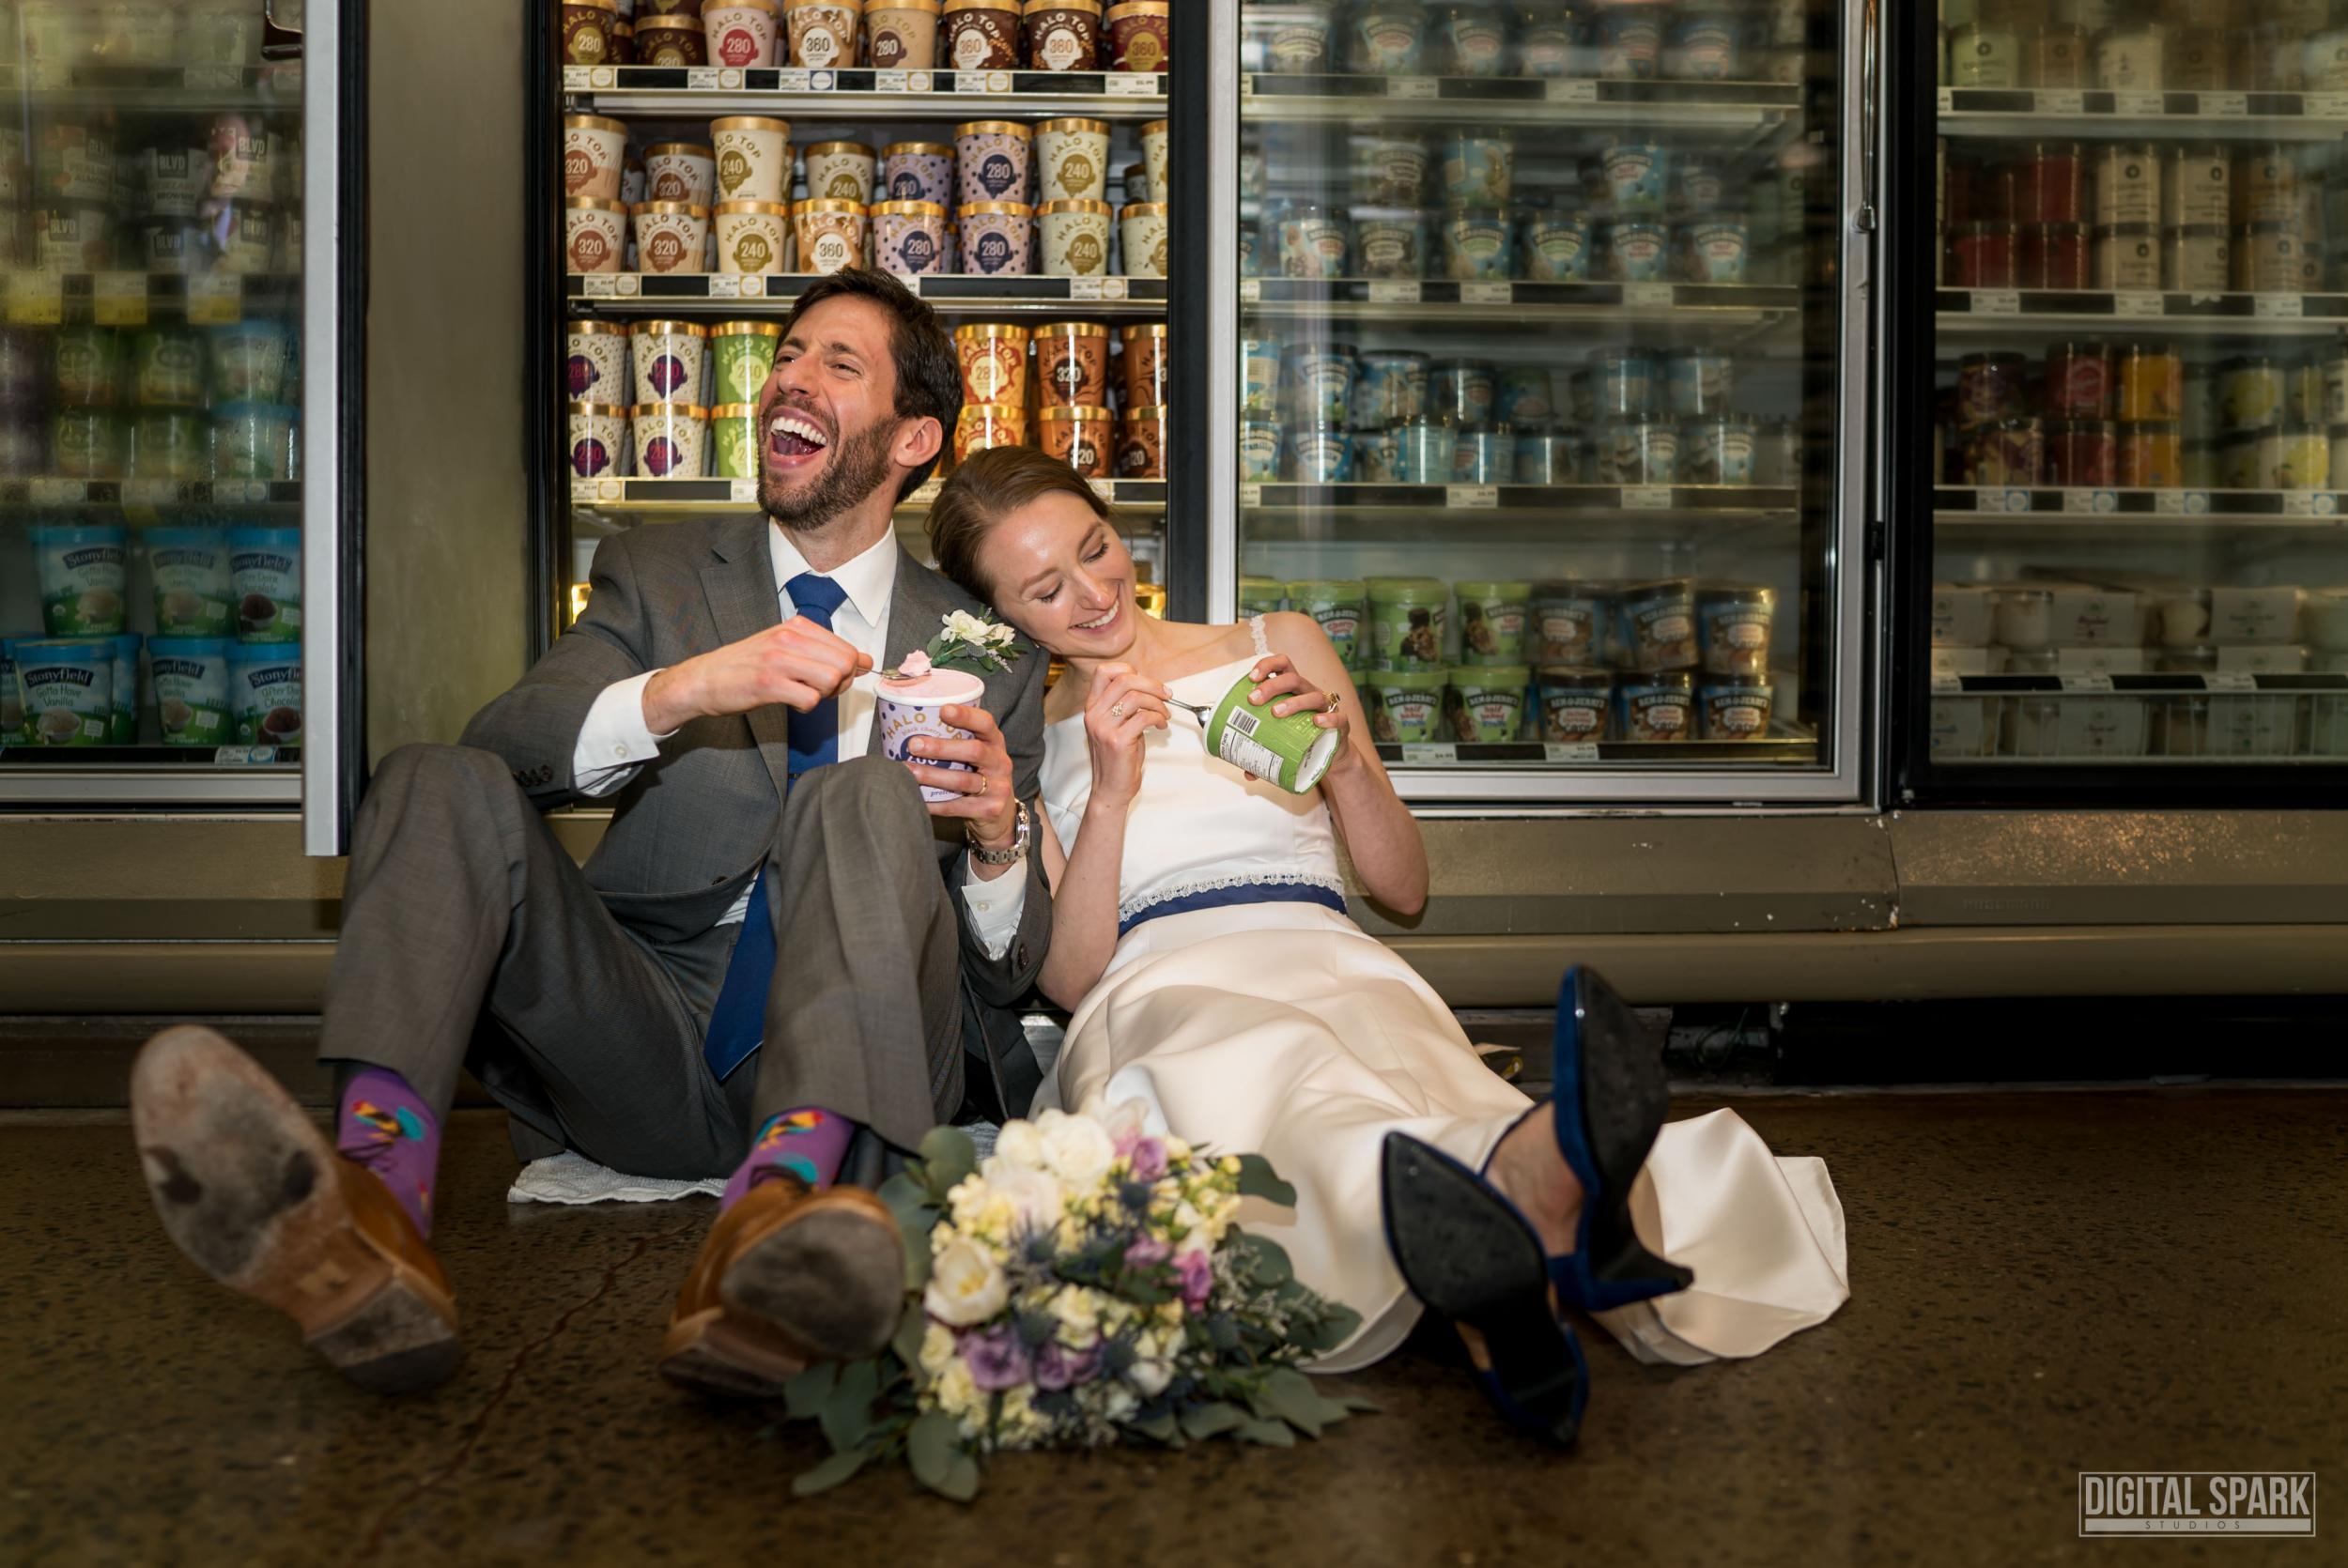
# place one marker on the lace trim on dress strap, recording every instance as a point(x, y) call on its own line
point(1255, 629)
point(1125, 911)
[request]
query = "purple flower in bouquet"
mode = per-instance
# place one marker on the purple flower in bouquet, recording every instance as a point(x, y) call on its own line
point(1058, 1367)
point(1149, 1252)
point(997, 1358)
point(1196, 1271)
point(1149, 1157)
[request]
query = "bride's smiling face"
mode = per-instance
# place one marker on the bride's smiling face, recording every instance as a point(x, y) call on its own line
point(1062, 577)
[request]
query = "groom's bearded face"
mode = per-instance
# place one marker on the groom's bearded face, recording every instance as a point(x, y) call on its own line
point(828, 418)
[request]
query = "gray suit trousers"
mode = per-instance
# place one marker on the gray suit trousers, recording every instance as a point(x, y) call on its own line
point(470, 938)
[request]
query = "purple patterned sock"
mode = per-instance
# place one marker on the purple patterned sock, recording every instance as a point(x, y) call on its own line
point(807, 1143)
point(386, 1126)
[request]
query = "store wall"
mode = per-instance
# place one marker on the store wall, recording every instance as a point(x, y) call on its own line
point(447, 592)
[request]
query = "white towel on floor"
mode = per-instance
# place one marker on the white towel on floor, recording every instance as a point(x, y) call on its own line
point(572, 1177)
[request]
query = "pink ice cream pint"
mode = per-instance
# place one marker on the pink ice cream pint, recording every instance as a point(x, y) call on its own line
point(1292, 752)
point(911, 703)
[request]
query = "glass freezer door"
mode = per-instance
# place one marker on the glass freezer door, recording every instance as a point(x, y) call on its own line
point(1549, 321)
point(168, 603)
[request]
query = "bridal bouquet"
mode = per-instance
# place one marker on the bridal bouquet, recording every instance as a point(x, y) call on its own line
point(1086, 1285)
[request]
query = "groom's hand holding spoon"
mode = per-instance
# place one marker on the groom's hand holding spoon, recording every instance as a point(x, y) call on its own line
point(1122, 707)
point(798, 665)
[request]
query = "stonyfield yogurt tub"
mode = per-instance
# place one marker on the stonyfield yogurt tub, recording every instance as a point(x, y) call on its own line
point(912, 704)
point(83, 576)
point(190, 676)
point(265, 575)
point(265, 695)
point(1293, 752)
point(194, 588)
point(67, 689)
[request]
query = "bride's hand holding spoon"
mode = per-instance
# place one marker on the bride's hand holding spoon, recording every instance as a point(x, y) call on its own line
point(1122, 707)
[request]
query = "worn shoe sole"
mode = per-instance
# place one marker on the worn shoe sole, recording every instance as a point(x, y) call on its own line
point(826, 1284)
point(252, 1192)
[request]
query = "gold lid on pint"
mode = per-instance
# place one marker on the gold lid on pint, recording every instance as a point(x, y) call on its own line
point(996, 127)
point(745, 329)
point(676, 328)
point(1004, 330)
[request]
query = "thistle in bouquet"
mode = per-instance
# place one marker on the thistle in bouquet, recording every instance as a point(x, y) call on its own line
point(1086, 1285)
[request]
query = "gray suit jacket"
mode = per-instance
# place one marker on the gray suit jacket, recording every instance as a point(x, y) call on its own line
point(691, 830)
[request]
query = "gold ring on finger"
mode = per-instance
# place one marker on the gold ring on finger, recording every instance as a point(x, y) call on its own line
point(1333, 704)
point(983, 783)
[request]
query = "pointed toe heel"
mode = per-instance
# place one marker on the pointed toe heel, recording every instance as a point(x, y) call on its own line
point(1471, 1259)
point(1611, 1095)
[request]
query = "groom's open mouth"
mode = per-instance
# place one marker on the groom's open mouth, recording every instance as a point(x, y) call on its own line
point(794, 442)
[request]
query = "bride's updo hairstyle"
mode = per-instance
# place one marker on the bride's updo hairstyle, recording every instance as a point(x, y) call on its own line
point(984, 490)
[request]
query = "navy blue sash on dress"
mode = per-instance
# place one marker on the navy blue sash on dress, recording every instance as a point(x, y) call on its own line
point(1246, 893)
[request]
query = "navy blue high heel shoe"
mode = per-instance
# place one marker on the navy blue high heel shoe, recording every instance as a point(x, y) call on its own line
point(1609, 1098)
point(1469, 1257)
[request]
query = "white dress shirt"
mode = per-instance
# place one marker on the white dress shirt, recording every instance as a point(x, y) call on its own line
point(614, 743)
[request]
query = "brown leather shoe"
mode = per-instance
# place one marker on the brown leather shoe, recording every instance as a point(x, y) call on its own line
point(786, 1277)
point(255, 1195)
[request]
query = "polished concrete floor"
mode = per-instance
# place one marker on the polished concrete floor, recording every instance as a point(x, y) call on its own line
point(2042, 1283)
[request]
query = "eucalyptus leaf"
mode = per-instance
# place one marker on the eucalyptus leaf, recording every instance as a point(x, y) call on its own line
point(1270, 1262)
point(947, 1157)
point(804, 1394)
point(911, 1331)
point(1201, 1422)
point(962, 1480)
point(1159, 1427)
point(1271, 1434)
point(931, 1445)
point(831, 1472)
point(1258, 1180)
point(1290, 1394)
point(847, 1415)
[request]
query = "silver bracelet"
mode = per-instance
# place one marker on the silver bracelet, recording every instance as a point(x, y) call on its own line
point(1011, 857)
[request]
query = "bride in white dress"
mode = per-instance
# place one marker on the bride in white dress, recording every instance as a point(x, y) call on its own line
point(1201, 944)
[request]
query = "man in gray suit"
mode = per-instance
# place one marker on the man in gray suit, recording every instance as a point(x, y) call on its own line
point(766, 876)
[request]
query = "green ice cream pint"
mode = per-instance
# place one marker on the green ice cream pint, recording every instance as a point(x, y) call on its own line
point(1406, 624)
point(1337, 605)
point(1405, 705)
point(1292, 752)
point(1487, 702)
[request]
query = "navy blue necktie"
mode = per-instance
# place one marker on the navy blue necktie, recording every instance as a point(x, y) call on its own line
point(738, 1022)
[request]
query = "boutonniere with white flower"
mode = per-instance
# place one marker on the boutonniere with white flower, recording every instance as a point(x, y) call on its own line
point(975, 643)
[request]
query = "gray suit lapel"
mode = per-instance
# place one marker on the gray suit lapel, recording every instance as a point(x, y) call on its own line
point(743, 601)
point(914, 609)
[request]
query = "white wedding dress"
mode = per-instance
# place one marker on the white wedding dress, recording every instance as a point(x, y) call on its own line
point(1282, 1028)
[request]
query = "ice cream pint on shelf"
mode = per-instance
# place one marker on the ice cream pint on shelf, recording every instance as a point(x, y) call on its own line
point(740, 33)
point(743, 353)
point(910, 238)
point(67, 688)
point(753, 237)
point(84, 576)
point(997, 239)
point(1140, 32)
point(265, 574)
point(911, 704)
point(598, 435)
point(1293, 752)
point(595, 235)
point(685, 172)
point(668, 356)
point(841, 172)
point(1404, 704)
point(1063, 34)
point(918, 172)
point(831, 235)
point(993, 361)
point(1486, 702)
point(191, 689)
point(982, 35)
point(594, 149)
point(823, 32)
point(1076, 236)
point(733, 443)
point(193, 588)
point(672, 440)
point(902, 34)
point(993, 161)
point(1142, 235)
point(265, 695)
point(596, 363)
point(670, 236)
point(1073, 160)
point(754, 158)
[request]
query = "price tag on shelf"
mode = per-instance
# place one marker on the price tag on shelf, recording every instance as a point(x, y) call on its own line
point(970, 82)
point(1135, 84)
point(1250, 291)
point(1097, 288)
point(119, 298)
point(151, 493)
point(1568, 751)
point(2181, 503)
point(2325, 106)
point(1945, 100)
point(1646, 498)
point(1560, 91)
point(701, 79)
point(582, 492)
point(49, 490)
point(889, 81)
point(1486, 294)
point(612, 490)
point(2062, 102)
point(1413, 86)
point(2087, 682)
point(2090, 501)
point(2139, 301)
point(725, 285)
point(627, 285)
point(2231, 680)
point(2139, 104)
point(1440, 755)
point(1251, 495)
point(730, 80)
point(35, 299)
point(1998, 499)
point(1947, 685)
point(215, 299)
point(603, 78)
point(578, 79)
point(821, 81)
point(2278, 307)
point(753, 285)
point(794, 79)
point(1383, 291)
point(2306, 503)
point(920, 82)
point(1479, 497)
point(244, 755)
point(1996, 302)
point(601, 286)
point(742, 492)
point(2228, 105)
point(1659, 295)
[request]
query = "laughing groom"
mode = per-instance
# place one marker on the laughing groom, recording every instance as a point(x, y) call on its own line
point(774, 964)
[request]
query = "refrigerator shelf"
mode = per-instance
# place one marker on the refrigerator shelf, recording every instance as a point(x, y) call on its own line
point(896, 95)
point(162, 88)
point(741, 294)
point(133, 496)
point(129, 298)
point(1716, 501)
point(1788, 745)
point(2164, 684)
point(652, 499)
point(1730, 107)
point(251, 758)
point(2034, 508)
point(1990, 312)
point(1445, 302)
point(1970, 112)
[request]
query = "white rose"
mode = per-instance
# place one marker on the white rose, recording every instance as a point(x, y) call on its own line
point(1077, 1148)
point(1020, 1144)
point(1034, 1197)
point(937, 1348)
point(966, 1286)
point(1150, 1376)
point(1116, 1401)
point(965, 626)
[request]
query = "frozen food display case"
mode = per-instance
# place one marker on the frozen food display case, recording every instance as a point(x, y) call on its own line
point(178, 430)
point(2125, 399)
point(1541, 363)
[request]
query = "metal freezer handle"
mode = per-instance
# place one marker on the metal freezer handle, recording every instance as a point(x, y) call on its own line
point(1870, 49)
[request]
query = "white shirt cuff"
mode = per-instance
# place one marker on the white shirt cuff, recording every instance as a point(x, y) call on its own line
point(995, 907)
point(614, 742)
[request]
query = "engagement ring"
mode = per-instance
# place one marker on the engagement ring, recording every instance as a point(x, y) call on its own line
point(1116, 710)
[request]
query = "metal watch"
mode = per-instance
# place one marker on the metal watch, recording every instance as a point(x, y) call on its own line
point(1011, 856)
